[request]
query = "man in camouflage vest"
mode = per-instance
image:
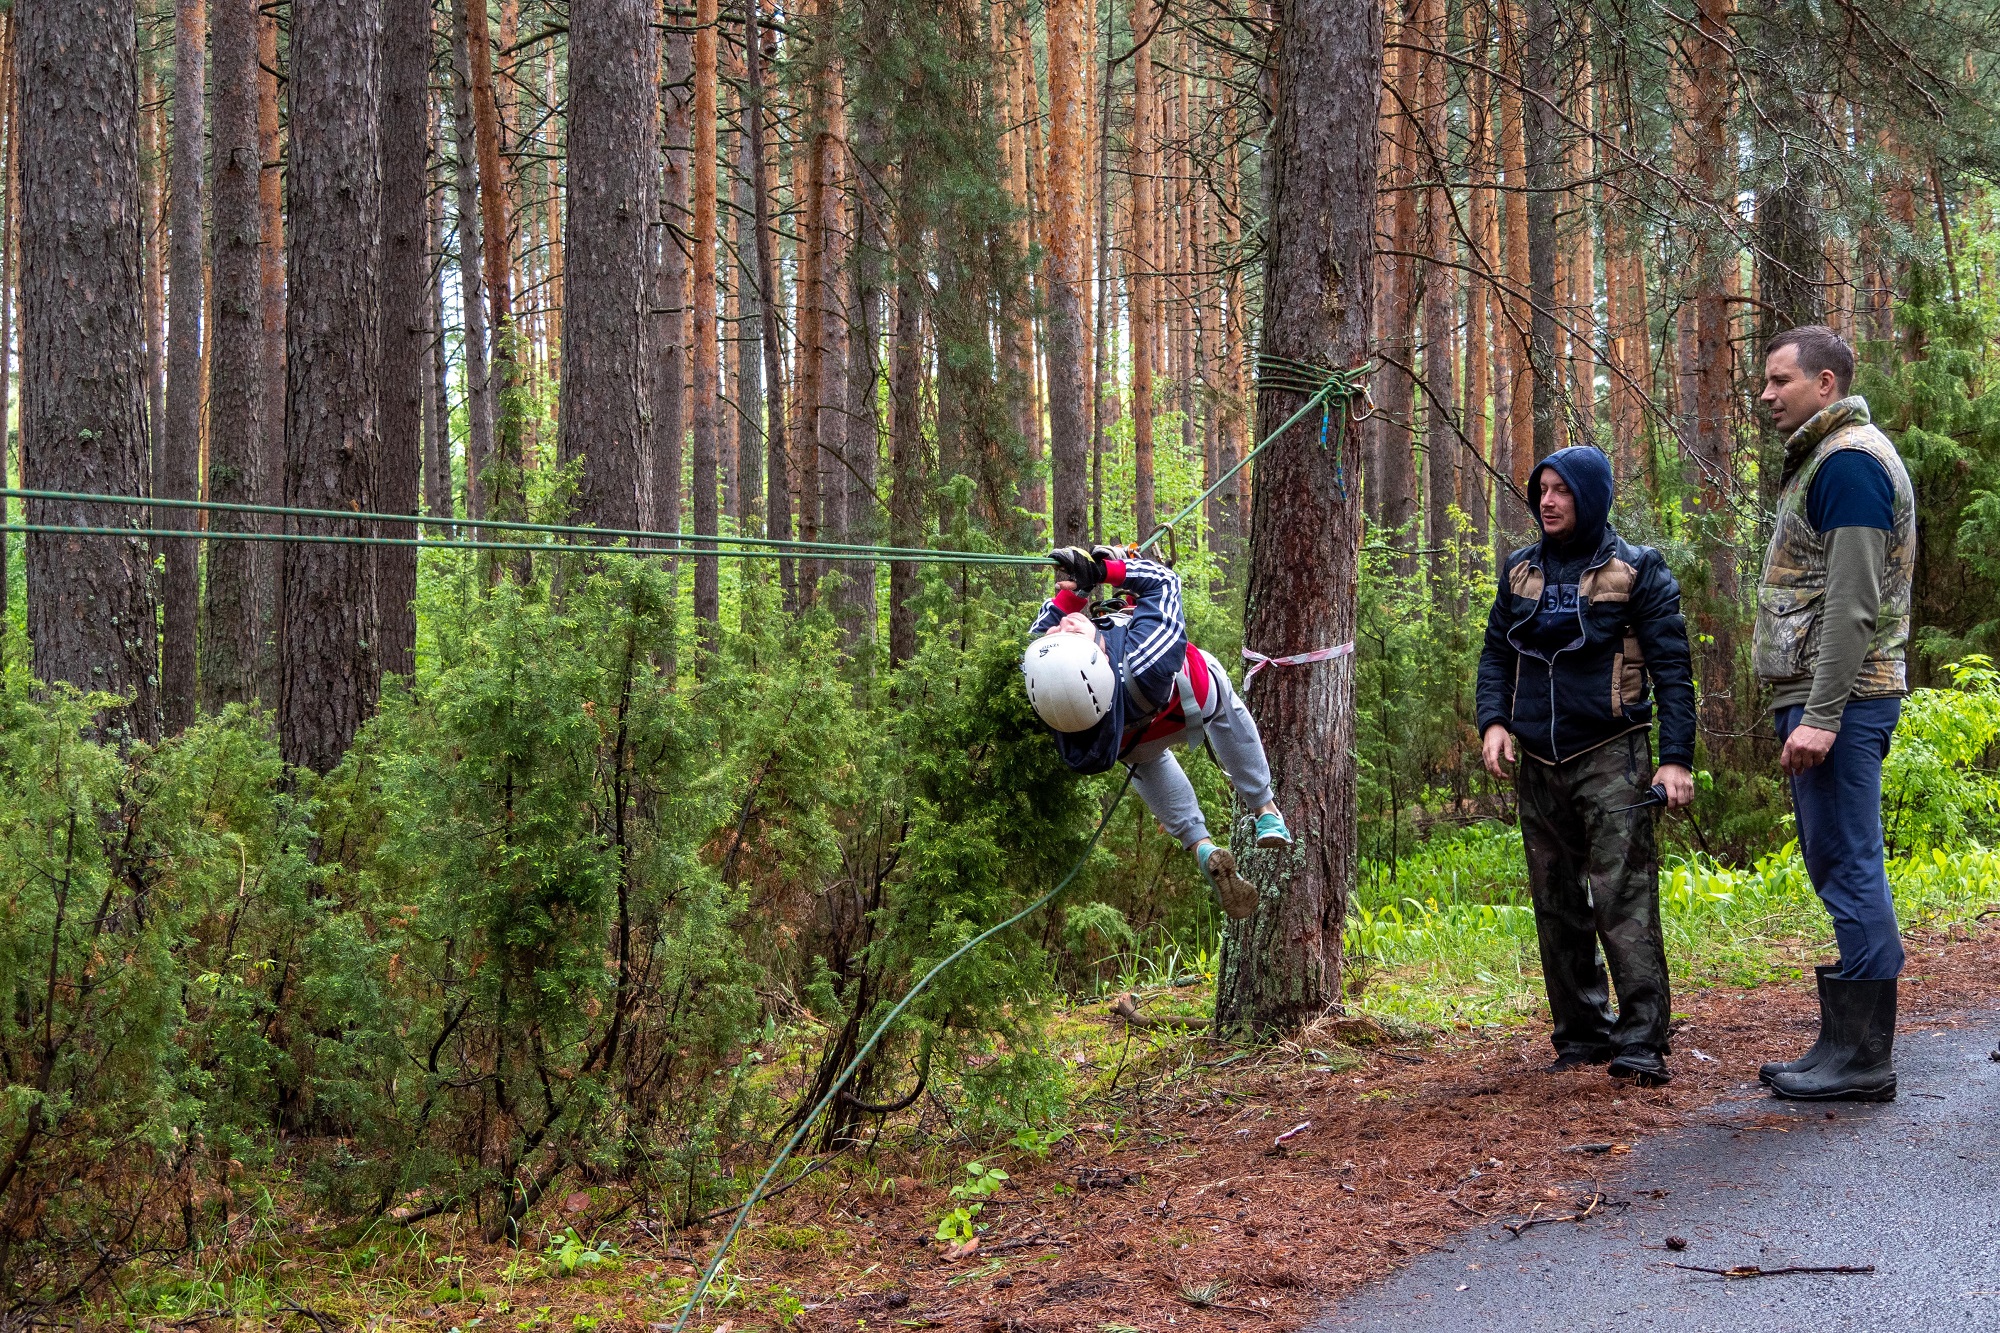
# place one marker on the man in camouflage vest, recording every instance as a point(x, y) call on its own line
point(1833, 616)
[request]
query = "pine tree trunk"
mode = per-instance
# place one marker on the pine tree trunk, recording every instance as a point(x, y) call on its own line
point(438, 498)
point(749, 336)
point(1145, 264)
point(1281, 968)
point(777, 473)
point(1067, 22)
point(1475, 492)
point(1396, 474)
point(829, 169)
point(1440, 306)
point(330, 673)
point(864, 433)
point(9, 274)
point(503, 492)
point(670, 299)
point(906, 427)
point(1543, 149)
point(179, 477)
point(152, 167)
point(1233, 392)
point(230, 629)
point(83, 367)
point(479, 387)
point(707, 430)
point(406, 49)
point(271, 283)
point(1580, 294)
point(1516, 524)
point(613, 133)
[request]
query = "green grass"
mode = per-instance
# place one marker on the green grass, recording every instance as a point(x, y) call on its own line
point(1451, 940)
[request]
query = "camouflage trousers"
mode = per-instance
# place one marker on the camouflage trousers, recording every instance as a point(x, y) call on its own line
point(1595, 878)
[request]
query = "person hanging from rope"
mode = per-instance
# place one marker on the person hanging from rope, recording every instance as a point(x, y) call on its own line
point(1125, 684)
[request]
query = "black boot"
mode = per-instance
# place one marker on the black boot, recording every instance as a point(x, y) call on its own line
point(1860, 1020)
point(1769, 1071)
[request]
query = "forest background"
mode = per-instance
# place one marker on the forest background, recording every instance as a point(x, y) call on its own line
point(397, 884)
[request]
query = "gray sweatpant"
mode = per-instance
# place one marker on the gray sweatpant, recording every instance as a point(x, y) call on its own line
point(1232, 739)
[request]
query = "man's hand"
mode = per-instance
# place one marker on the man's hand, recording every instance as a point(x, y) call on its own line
point(1679, 784)
point(1805, 748)
point(1499, 750)
point(1079, 566)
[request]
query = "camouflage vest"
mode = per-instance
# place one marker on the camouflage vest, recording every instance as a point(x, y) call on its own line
point(1786, 643)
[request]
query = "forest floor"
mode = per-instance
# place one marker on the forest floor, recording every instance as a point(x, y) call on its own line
point(1221, 1191)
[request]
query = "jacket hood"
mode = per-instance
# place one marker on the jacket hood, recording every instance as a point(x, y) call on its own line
point(1587, 472)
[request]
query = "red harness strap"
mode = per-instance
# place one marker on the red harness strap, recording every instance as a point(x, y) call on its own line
point(1171, 720)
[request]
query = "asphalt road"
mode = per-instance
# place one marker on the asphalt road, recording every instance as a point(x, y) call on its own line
point(1910, 1186)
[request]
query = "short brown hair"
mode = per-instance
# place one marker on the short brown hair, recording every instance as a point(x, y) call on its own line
point(1819, 348)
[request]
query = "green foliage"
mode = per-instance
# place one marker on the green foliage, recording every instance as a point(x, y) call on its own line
point(982, 1182)
point(1939, 788)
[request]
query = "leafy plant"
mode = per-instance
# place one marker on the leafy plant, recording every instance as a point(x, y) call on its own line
point(568, 1253)
point(980, 1184)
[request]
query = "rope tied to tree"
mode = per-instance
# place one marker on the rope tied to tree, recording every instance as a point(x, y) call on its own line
point(1327, 388)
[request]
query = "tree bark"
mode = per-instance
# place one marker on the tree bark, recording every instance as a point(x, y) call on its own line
point(1543, 149)
point(231, 630)
point(330, 672)
point(479, 388)
point(1475, 494)
point(1440, 304)
point(749, 332)
point(1281, 968)
point(179, 476)
point(1063, 246)
point(777, 473)
point(405, 129)
point(503, 493)
point(1393, 502)
point(1145, 264)
point(906, 438)
point(83, 368)
point(707, 432)
point(670, 301)
point(271, 283)
point(613, 133)
point(1519, 451)
point(438, 499)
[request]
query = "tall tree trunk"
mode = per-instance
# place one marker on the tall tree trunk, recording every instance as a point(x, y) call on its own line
point(83, 370)
point(1519, 451)
point(1543, 148)
point(179, 477)
point(152, 168)
point(613, 137)
point(271, 282)
point(829, 197)
point(1145, 264)
point(1713, 456)
point(1396, 477)
point(777, 473)
point(1580, 291)
point(1440, 305)
point(1475, 494)
point(496, 268)
point(749, 335)
point(707, 429)
point(230, 628)
point(438, 499)
point(1067, 21)
point(1281, 968)
point(479, 387)
point(9, 274)
point(1103, 384)
point(406, 50)
point(906, 426)
point(1233, 392)
point(864, 433)
point(330, 673)
point(670, 300)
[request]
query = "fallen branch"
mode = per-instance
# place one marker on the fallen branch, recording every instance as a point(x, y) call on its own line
point(1595, 1201)
point(1751, 1270)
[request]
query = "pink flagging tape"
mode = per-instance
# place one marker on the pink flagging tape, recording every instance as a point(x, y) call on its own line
point(1258, 661)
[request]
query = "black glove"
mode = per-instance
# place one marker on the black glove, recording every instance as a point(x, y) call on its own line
point(1079, 566)
point(1106, 554)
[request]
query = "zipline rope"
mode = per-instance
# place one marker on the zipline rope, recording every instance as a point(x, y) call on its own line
point(868, 1047)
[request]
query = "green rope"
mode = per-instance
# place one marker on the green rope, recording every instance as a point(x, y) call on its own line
point(778, 544)
point(1322, 386)
point(868, 1047)
point(927, 557)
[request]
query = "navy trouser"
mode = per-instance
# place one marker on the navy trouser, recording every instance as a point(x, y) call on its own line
point(1839, 805)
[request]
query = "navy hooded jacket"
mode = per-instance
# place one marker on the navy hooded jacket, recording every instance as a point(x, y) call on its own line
point(1585, 637)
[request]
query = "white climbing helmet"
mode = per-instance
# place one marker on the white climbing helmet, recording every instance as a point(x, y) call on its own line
point(1069, 680)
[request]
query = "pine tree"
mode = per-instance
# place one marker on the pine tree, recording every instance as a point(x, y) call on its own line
point(405, 130)
point(179, 474)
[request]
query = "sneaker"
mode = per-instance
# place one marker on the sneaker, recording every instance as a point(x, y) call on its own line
point(1271, 831)
point(1643, 1067)
point(1218, 866)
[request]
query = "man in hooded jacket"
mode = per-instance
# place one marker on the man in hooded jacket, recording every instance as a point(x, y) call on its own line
point(1584, 644)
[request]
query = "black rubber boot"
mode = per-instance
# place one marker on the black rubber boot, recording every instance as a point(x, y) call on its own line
point(1858, 1065)
point(1644, 1067)
point(1576, 1057)
point(1767, 1072)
